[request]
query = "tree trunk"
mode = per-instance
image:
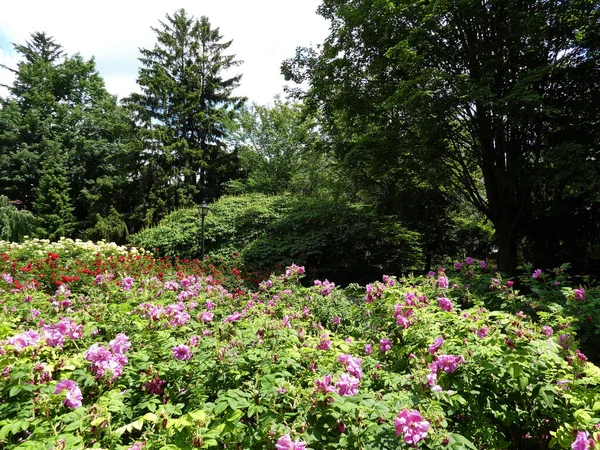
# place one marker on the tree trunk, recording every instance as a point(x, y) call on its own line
point(428, 258)
point(506, 234)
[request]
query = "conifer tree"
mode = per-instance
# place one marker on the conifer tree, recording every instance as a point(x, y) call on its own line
point(52, 208)
point(58, 104)
point(184, 107)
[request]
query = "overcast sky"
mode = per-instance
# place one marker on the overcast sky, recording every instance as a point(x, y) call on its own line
point(264, 33)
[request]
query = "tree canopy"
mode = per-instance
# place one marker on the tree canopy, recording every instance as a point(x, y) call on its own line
point(483, 93)
point(183, 110)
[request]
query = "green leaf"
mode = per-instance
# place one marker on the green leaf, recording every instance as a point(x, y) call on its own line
point(220, 407)
point(547, 396)
point(234, 416)
point(151, 417)
point(74, 426)
point(458, 441)
point(5, 430)
point(15, 390)
point(515, 369)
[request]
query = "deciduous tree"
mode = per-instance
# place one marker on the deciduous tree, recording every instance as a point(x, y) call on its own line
point(483, 93)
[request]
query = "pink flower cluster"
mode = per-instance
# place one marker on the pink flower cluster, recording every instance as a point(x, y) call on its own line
point(442, 282)
point(447, 363)
point(347, 385)
point(236, 316)
point(137, 446)
point(175, 314)
point(445, 304)
point(437, 343)
point(444, 363)
point(548, 331)
point(376, 290)
point(30, 338)
point(402, 312)
point(294, 270)
point(324, 385)
point(54, 335)
point(285, 443)
point(481, 333)
point(127, 284)
point(579, 294)
point(182, 352)
point(74, 396)
point(325, 343)
point(411, 425)
point(388, 281)
point(352, 365)
point(105, 361)
point(385, 345)
point(583, 441)
point(324, 287)
point(155, 386)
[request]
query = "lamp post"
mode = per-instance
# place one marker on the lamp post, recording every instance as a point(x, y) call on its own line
point(203, 208)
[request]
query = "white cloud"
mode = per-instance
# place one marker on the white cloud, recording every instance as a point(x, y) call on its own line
point(264, 33)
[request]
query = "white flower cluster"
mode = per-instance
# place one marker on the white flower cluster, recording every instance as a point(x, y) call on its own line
point(69, 247)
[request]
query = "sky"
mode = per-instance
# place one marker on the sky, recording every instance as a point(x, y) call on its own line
point(264, 33)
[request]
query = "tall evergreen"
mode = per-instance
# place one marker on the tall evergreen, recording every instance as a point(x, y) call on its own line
point(184, 107)
point(53, 208)
point(58, 109)
point(41, 47)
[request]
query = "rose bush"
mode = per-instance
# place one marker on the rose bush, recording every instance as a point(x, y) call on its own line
point(140, 354)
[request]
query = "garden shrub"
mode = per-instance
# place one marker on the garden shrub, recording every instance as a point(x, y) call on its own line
point(343, 242)
point(232, 223)
point(149, 354)
point(110, 228)
point(335, 239)
point(15, 224)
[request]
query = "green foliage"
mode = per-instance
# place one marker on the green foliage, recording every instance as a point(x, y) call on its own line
point(52, 207)
point(111, 228)
point(478, 94)
point(341, 241)
point(185, 108)
point(255, 360)
point(334, 238)
point(281, 151)
point(231, 225)
point(15, 224)
point(59, 112)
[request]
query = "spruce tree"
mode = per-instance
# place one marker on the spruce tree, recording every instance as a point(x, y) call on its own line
point(185, 106)
point(58, 104)
point(52, 208)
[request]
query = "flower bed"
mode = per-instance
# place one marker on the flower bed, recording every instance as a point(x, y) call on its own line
point(139, 354)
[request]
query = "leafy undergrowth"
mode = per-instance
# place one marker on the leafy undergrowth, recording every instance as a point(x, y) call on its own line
point(139, 354)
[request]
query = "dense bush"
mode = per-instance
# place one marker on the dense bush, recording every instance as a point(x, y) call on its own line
point(15, 224)
point(343, 242)
point(232, 223)
point(139, 357)
point(337, 239)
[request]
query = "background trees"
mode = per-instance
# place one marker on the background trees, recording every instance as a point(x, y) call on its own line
point(441, 117)
point(482, 93)
point(281, 151)
point(184, 108)
point(60, 118)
